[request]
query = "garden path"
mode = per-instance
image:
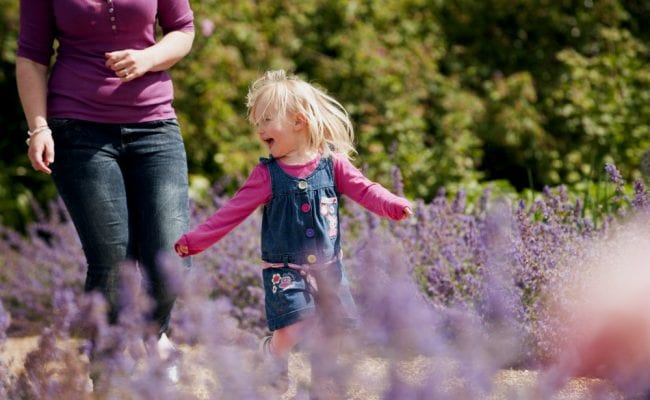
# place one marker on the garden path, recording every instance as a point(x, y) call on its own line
point(372, 371)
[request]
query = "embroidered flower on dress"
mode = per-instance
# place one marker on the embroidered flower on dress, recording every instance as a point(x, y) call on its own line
point(328, 210)
point(287, 280)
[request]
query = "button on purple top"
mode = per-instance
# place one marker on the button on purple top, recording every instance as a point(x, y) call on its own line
point(80, 85)
point(309, 232)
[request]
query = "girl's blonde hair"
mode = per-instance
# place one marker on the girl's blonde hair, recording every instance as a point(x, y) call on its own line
point(329, 124)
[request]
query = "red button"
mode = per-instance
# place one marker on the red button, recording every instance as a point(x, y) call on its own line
point(305, 207)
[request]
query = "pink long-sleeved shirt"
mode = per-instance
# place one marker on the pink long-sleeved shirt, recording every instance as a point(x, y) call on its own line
point(256, 191)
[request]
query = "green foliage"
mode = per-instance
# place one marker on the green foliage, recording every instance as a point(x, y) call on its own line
point(602, 102)
point(382, 66)
point(457, 94)
point(522, 58)
point(452, 92)
point(515, 141)
point(509, 36)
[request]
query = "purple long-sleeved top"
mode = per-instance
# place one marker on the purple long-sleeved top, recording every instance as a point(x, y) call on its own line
point(80, 85)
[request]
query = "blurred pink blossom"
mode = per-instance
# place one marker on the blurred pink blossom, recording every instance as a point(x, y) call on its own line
point(207, 27)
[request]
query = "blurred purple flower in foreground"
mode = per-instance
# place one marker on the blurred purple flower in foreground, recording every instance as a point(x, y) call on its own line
point(457, 293)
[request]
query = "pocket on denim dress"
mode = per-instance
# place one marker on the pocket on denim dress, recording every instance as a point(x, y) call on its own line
point(287, 296)
point(329, 211)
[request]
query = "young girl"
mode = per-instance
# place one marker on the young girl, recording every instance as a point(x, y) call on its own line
point(309, 136)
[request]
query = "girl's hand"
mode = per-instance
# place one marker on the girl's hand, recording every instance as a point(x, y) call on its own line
point(182, 250)
point(406, 212)
point(128, 64)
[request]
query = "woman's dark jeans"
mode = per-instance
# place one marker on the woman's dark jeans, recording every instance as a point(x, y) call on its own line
point(125, 187)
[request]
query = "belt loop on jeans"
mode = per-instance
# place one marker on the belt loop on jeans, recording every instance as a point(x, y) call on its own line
point(285, 260)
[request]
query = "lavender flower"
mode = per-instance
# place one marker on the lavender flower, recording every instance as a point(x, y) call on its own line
point(640, 201)
point(398, 184)
point(5, 321)
point(477, 285)
point(614, 175)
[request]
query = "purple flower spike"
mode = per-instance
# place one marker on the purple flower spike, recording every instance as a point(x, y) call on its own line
point(613, 174)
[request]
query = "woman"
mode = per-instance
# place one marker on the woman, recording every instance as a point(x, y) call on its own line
point(119, 163)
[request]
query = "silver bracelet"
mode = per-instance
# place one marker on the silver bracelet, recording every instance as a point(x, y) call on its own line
point(36, 131)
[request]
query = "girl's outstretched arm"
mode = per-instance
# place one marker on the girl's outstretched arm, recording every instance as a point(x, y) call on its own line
point(253, 193)
point(371, 195)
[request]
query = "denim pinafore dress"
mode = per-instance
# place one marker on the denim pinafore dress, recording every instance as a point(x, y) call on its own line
point(300, 226)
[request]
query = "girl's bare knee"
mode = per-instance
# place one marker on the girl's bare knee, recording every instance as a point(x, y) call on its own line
point(284, 339)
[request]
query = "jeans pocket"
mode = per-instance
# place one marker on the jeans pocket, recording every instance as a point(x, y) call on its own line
point(168, 128)
point(57, 123)
point(170, 122)
point(60, 126)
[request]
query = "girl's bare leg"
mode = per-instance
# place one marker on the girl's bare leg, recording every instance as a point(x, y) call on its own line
point(285, 339)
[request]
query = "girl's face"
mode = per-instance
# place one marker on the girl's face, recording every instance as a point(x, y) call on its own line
point(284, 135)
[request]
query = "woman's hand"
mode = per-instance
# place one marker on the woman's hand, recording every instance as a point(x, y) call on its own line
point(128, 64)
point(41, 151)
